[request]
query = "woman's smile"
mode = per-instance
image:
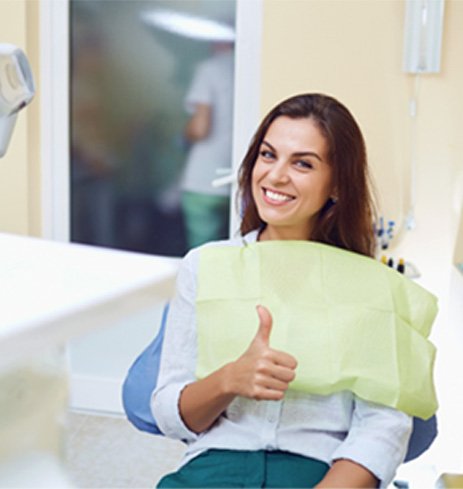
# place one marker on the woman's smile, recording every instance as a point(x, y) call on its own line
point(274, 197)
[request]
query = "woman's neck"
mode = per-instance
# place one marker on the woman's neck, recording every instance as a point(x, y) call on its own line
point(283, 233)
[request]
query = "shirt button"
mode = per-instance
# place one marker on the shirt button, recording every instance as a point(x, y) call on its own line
point(271, 418)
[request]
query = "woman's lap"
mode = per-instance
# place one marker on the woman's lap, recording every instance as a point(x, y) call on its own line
point(236, 468)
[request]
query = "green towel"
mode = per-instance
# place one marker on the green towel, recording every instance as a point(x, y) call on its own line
point(351, 322)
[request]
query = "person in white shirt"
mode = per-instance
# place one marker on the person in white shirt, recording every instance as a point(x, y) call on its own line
point(304, 177)
point(209, 102)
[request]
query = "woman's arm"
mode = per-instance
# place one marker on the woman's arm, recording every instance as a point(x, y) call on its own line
point(373, 449)
point(183, 406)
point(260, 373)
point(345, 473)
point(199, 124)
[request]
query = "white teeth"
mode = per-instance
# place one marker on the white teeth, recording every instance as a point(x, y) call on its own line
point(278, 197)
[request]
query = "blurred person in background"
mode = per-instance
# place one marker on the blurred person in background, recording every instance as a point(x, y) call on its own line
point(209, 100)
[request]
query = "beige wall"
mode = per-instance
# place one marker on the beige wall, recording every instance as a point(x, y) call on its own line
point(20, 180)
point(32, 114)
point(14, 198)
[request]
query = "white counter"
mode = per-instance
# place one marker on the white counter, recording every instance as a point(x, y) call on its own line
point(51, 292)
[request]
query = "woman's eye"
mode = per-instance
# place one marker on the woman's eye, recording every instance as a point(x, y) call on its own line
point(267, 155)
point(305, 165)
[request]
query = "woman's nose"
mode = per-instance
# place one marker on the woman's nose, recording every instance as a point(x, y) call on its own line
point(279, 172)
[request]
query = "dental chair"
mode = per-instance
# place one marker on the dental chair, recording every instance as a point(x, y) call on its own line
point(142, 377)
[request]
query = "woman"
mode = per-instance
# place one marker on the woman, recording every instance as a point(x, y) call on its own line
point(304, 177)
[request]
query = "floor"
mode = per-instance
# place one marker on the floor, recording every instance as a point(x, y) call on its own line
point(107, 452)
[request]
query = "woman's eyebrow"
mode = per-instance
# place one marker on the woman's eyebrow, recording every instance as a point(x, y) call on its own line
point(298, 153)
point(308, 153)
point(269, 145)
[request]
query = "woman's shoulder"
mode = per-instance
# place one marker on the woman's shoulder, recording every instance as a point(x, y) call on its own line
point(248, 238)
point(192, 257)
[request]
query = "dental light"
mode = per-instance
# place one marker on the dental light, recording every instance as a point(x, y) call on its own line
point(16, 90)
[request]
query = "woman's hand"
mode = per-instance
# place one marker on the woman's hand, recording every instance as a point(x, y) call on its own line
point(261, 373)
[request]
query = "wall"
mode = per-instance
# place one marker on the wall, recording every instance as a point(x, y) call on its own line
point(14, 198)
point(20, 173)
point(32, 114)
point(353, 51)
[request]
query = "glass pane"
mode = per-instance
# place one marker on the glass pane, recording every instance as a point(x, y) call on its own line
point(151, 122)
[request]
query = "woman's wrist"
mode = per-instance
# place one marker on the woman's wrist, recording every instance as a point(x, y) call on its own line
point(227, 381)
point(203, 401)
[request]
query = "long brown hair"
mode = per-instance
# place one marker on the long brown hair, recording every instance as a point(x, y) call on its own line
point(347, 222)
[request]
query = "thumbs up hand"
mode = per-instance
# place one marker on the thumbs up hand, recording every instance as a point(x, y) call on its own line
point(262, 373)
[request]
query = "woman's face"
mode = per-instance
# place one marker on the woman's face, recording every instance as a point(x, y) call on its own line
point(291, 179)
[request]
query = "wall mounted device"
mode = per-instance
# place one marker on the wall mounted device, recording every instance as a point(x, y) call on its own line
point(16, 90)
point(424, 20)
point(423, 29)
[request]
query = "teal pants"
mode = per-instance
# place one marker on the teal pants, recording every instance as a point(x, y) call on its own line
point(206, 217)
point(236, 468)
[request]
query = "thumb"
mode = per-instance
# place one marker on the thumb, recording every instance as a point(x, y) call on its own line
point(265, 324)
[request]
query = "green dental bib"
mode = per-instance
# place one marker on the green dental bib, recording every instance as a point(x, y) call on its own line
point(351, 322)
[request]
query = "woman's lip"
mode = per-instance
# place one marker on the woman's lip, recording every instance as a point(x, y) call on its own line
point(274, 197)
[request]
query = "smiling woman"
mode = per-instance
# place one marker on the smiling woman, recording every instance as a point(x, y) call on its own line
point(303, 180)
point(324, 147)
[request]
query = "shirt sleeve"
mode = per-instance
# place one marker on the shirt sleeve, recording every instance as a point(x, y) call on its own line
point(200, 91)
point(377, 440)
point(179, 354)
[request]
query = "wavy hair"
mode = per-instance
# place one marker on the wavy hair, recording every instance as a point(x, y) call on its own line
point(347, 222)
